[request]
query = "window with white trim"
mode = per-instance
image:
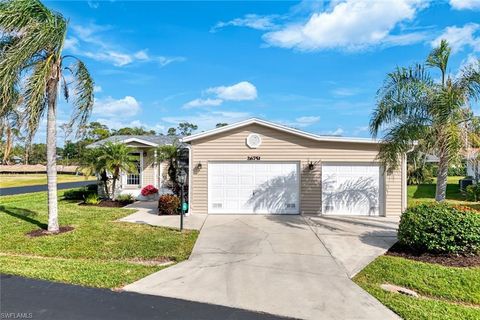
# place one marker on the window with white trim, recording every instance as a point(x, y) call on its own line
point(133, 178)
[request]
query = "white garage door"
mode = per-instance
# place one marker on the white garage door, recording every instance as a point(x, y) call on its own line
point(352, 189)
point(253, 187)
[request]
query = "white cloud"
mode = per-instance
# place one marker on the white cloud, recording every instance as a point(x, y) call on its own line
point(336, 132)
point(241, 91)
point(350, 25)
point(300, 122)
point(465, 4)
point(253, 21)
point(116, 108)
point(89, 41)
point(203, 103)
point(93, 4)
point(97, 89)
point(345, 92)
point(307, 120)
point(117, 124)
point(460, 37)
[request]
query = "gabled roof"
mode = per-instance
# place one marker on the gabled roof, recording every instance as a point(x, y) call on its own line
point(277, 127)
point(152, 141)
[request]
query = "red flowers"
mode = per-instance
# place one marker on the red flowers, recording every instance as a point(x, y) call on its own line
point(148, 190)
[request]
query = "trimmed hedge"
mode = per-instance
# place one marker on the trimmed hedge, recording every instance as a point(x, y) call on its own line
point(440, 228)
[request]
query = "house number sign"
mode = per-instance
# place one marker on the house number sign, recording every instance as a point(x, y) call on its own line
point(253, 158)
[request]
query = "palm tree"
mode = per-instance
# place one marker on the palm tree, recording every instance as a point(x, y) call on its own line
point(31, 50)
point(412, 106)
point(169, 153)
point(116, 158)
point(92, 165)
point(10, 124)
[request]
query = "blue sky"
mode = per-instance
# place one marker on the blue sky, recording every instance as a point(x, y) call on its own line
point(312, 65)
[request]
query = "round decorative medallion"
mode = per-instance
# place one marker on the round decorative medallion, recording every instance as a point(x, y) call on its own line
point(254, 141)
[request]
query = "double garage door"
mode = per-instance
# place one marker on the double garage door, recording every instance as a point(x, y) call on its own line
point(274, 188)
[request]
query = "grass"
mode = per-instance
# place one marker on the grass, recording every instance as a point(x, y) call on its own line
point(426, 193)
point(32, 179)
point(447, 292)
point(99, 252)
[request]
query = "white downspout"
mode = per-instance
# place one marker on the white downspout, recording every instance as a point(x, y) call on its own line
point(190, 170)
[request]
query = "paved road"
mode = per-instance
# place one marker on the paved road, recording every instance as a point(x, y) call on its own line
point(42, 187)
point(48, 300)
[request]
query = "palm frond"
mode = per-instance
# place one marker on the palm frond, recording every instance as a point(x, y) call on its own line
point(35, 95)
point(439, 57)
point(406, 92)
point(83, 94)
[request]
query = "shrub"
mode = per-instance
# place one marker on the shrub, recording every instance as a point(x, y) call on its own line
point(440, 228)
point(473, 192)
point(92, 198)
point(148, 190)
point(168, 204)
point(125, 198)
point(80, 193)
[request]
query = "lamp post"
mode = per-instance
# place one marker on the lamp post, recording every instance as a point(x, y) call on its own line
point(182, 177)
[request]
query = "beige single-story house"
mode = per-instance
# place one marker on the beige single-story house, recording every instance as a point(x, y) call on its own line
point(259, 167)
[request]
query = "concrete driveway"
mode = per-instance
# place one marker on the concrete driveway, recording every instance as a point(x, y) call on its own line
point(272, 264)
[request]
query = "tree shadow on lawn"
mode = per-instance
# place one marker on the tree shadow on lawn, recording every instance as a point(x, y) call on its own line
point(23, 214)
point(428, 191)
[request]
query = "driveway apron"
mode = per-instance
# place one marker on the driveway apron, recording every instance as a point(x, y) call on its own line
point(268, 263)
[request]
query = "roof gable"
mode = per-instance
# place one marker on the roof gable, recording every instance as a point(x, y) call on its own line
point(277, 127)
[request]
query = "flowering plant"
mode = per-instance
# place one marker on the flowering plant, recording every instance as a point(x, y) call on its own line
point(148, 190)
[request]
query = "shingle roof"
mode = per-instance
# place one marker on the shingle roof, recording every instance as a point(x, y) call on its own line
point(158, 140)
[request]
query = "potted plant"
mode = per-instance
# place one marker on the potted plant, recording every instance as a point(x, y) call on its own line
point(149, 192)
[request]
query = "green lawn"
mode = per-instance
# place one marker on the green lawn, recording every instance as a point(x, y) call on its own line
point(31, 179)
point(447, 293)
point(426, 193)
point(100, 252)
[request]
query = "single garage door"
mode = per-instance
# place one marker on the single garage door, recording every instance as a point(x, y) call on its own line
point(352, 189)
point(253, 187)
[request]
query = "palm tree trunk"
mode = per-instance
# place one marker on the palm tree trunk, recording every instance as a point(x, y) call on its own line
point(114, 183)
point(442, 175)
point(8, 145)
point(52, 156)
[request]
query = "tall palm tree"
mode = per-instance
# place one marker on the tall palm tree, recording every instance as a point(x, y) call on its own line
point(31, 60)
point(117, 158)
point(412, 106)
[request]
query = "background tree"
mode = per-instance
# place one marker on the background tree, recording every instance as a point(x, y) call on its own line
point(221, 124)
point(32, 41)
point(172, 132)
point(116, 158)
point(186, 128)
point(413, 107)
point(138, 131)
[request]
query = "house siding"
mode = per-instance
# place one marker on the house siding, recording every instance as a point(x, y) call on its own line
point(283, 146)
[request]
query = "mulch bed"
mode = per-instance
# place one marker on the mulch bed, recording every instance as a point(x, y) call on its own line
point(448, 260)
point(44, 232)
point(108, 204)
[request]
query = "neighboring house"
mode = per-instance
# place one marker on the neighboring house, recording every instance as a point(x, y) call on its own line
point(473, 163)
point(150, 171)
point(259, 167)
